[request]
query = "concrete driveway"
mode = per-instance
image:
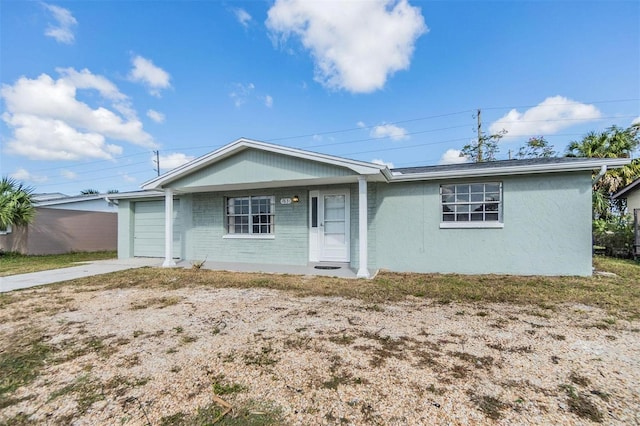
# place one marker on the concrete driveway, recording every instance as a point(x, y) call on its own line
point(16, 282)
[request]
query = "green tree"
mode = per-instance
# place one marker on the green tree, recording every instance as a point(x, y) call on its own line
point(536, 147)
point(89, 191)
point(613, 142)
point(16, 205)
point(485, 148)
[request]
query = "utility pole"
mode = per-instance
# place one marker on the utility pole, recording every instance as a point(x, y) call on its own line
point(157, 161)
point(479, 137)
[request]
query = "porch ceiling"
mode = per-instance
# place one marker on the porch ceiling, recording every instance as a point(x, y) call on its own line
point(335, 180)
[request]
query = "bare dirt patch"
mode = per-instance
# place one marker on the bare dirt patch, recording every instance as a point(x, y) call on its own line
point(123, 354)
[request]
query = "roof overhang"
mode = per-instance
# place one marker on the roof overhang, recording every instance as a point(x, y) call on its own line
point(135, 195)
point(359, 167)
point(627, 189)
point(588, 164)
point(68, 200)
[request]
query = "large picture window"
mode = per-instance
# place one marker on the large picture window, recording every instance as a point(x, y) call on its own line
point(479, 203)
point(250, 215)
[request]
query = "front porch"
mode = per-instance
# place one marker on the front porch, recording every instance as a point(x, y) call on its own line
point(339, 270)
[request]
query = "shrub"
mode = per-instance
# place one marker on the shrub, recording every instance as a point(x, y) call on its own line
point(615, 235)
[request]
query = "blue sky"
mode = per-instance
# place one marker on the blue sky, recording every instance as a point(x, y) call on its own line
point(91, 88)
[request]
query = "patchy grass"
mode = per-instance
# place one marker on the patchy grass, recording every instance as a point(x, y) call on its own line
point(21, 362)
point(157, 302)
point(619, 295)
point(491, 406)
point(220, 387)
point(14, 263)
point(580, 405)
point(250, 414)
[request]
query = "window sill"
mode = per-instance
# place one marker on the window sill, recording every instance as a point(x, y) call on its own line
point(471, 225)
point(249, 237)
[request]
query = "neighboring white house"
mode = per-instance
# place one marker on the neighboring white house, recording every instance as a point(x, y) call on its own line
point(260, 203)
point(631, 193)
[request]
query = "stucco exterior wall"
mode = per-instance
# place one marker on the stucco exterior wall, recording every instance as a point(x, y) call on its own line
point(55, 231)
point(633, 201)
point(547, 229)
point(253, 165)
point(16, 240)
point(289, 245)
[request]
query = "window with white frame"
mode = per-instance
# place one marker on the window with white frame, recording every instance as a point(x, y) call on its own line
point(471, 202)
point(250, 215)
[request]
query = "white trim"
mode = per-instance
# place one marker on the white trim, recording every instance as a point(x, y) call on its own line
point(7, 230)
point(363, 271)
point(585, 165)
point(249, 237)
point(471, 225)
point(168, 229)
point(360, 167)
point(314, 237)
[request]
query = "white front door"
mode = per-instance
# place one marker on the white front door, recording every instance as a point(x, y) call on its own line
point(329, 226)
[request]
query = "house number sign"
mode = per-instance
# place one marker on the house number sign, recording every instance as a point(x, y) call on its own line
point(285, 200)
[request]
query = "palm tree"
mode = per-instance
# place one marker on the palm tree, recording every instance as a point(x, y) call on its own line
point(16, 205)
point(613, 142)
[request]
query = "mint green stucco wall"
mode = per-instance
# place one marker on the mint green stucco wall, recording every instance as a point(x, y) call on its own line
point(259, 166)
point(289, 247)
point(547, 229)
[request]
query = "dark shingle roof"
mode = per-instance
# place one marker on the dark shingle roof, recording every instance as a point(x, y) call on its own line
point(494, 164)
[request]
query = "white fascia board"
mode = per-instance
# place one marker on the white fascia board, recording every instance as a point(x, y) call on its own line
point(514, 170)
point(67, 200)
point(241, 144)
point(627, 189)
point(134, 194)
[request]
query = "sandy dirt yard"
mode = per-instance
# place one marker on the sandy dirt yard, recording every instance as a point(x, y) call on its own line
point(135, 356)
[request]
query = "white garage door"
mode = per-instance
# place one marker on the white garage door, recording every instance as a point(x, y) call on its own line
point(148, 225)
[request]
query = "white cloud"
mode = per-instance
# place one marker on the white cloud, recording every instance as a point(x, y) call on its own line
point(317, 138)
point(145, 72)
point(68, 174)
point(156, 116)
point(361, 124)
point(355, 45)
point(49, 122)
point(24, 175)
point(128, 178)
point(242, 16)
point(268, 101)
point(173, 160)
point(85, 79)
point(62, 31)
point(40, 138)
point(241, 92)
point(389, 131)
point(550, 116)
point(453, 156)
point(382, 163)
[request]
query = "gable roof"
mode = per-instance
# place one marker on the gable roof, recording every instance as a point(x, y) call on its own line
point(358, 167)
point(506, 167)
point(627, 189)
point(379, 172)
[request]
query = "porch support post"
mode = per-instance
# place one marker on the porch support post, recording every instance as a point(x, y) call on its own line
point(168, 229)
point(363, 271)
